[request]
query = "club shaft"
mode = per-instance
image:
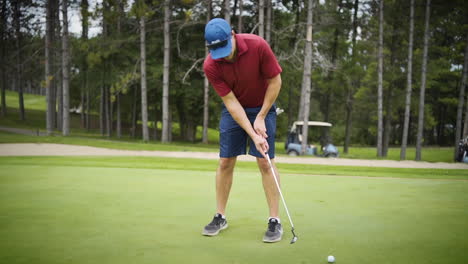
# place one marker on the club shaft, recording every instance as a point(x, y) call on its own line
point(279, 189)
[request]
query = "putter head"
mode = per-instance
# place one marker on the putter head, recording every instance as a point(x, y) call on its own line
point(294, 239)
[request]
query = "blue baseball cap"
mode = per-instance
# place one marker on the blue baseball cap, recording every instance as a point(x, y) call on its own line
point(218, 38)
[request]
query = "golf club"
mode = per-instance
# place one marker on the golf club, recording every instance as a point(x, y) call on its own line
point(294, 239)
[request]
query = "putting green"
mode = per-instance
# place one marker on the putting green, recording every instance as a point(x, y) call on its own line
point(72, 214)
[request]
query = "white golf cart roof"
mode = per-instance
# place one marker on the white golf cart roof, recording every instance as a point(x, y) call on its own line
point(310, 123)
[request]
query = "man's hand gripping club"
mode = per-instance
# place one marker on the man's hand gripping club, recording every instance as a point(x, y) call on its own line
point(238, 114)
point(260, 130)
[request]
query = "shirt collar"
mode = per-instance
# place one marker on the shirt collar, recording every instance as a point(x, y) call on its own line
point(241, 46)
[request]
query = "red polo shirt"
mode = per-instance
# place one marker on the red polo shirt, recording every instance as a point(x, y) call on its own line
point(247, 76)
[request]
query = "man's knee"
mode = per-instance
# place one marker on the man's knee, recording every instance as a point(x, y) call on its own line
point(263, 164)
point(227, 164)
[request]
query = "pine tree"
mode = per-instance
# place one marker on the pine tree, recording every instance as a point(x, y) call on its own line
point(422, 93)
point(166, 130)
point(17, 16)
point(380, 82)
point(306, 79)
point(3, 58)
point(144, 103)
point(206, 87)
point(65, 71)
point(461, 97)
point(261, 18)
point(409, 73)
point(351, 88)
point(49, 74)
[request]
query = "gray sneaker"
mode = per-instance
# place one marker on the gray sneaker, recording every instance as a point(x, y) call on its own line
point(216, 225)
point(274, 232)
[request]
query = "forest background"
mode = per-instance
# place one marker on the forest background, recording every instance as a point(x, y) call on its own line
point(135, 67)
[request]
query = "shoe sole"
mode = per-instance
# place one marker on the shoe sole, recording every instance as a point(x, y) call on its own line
point(205, 233)
point(266, 240)
point(272, 241)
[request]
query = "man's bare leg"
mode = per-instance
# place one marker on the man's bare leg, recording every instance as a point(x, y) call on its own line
point(274, 231)
point(269, 186)
point(224, 175)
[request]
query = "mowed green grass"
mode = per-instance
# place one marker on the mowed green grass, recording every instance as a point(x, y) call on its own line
point(31, 101)
point(103, 142)
point(35, 106)
point(119, 210)
point(429, 154)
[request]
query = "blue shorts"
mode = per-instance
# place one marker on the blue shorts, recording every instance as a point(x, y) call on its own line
point(233, 138)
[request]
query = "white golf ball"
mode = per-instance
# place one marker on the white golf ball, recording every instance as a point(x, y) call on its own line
point(331, 259)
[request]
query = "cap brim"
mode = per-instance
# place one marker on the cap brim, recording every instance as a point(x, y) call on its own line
point(222, 52)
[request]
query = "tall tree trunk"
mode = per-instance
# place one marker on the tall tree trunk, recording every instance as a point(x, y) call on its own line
point(325, 133)
point(389, 103)
point(300, 115)
point(156, 118)
point(239, 20)
point(65, 70)
point(268, 21)
point(84, 87)
point(134, 111)
point(409, 80)
point(110, 113)
point(190, 130)
point(19, 78)
point(206, 89)
point(465, 127)
point(388, 122)
point(380, 82)
point(144, 103)
point(102, 106)
point(297, 22)
point(170, 126)
point(351, 87)
point(167, 45)
point(117, 93)
point(292, 98)
point(106, 9)
point(119, 122)
point(306, 77)
point(49, 74)
point(227, 11)
point(206, 96)
point(82, 106)
point(349, 119)
point(87, 104)
point(261, 18)
point(3, 38)
point(420, 139)
point(106, 107)
point(234, 10)
point(290, 104)
point(58, 61)
point(461, 98)
point(180, 105)
point(55, 64)
point(59, 88)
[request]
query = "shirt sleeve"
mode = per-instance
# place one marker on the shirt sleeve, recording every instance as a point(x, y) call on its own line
point(269, 64)
point(214, 77)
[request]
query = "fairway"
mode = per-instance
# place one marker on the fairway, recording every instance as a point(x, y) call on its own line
point(52, 213)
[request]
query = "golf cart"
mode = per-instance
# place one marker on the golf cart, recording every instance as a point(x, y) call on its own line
point(293, 144)
point(463, 150)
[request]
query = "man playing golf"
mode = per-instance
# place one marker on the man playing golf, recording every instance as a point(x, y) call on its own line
point(246, 75)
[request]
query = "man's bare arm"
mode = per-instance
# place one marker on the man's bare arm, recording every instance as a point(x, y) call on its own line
point(274, 87)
